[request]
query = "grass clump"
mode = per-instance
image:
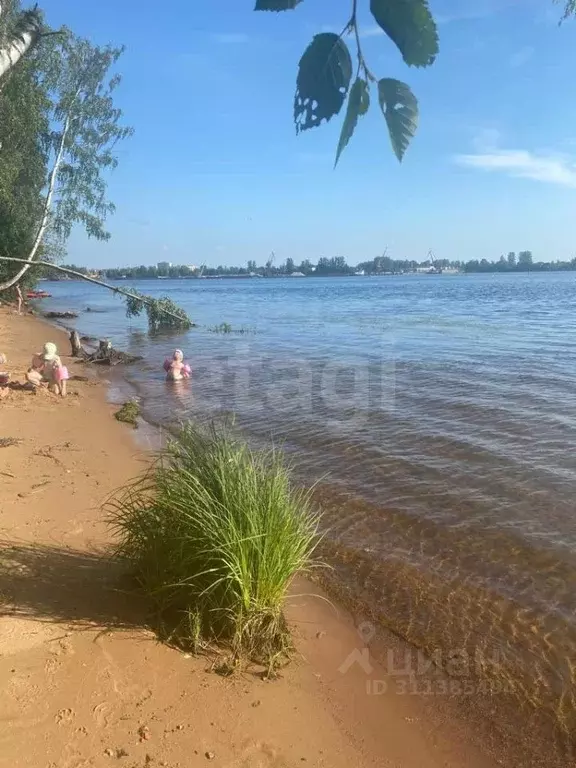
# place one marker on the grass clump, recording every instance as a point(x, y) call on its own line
point(129, 413)
point(222, 328)
point(215, 532)
point(227, 328)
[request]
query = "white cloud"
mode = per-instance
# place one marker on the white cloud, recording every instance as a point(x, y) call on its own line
point(522, 56)
point(231, 38)
point(521, 164)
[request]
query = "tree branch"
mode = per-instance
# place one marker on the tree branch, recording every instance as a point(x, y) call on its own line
point(353, 27)
point(113, 288)
point(56, 33)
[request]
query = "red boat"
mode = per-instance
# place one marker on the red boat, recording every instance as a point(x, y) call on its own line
point(38, 295)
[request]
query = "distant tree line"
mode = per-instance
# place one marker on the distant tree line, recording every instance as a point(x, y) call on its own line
point(524, 262)
point(335, 266)
point(324, 267)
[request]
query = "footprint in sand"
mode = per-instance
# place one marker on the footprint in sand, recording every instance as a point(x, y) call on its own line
point(101, 714)
point(51, 665)
point(65, 716)
point(259, 755)
point(65, 648)
point(72, 758)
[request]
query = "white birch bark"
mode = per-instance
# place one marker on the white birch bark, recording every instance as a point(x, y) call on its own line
point(19, 45)
point(46, 213)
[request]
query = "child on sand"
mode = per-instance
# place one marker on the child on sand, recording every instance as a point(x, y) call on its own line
point(176, 369)
point(4, 375)
point(47, 368)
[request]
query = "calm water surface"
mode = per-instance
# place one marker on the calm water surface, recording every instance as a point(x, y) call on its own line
point(440, 413)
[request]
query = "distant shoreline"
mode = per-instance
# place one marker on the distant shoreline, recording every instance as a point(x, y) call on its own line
point(337, 266)
point(536, 268)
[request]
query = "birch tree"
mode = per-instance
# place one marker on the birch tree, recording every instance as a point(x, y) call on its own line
point(20, 40)
point(86, 126)
point(24, 124)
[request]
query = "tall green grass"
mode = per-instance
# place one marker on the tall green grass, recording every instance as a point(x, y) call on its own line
point(215, 533)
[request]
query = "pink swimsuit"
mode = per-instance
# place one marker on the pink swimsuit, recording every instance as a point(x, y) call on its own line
point(176, 370)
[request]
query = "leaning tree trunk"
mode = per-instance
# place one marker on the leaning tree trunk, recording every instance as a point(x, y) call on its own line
point(146, 300)
point(23, 40)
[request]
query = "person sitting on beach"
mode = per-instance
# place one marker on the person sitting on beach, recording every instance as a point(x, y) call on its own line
point(176, 369)
point(47, 369)
point(4, 376)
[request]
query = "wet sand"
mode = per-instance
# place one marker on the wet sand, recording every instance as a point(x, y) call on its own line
point(83, 681)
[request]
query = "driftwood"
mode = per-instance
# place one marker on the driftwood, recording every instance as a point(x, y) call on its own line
point(60, 315)
point(105, 354)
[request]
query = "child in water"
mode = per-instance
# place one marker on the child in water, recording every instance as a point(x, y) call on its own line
point(176, 369)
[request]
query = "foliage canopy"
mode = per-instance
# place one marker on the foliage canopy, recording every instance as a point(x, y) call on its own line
point(325, 73)
point(163, 314)
point(59, 126)
point(24, 127)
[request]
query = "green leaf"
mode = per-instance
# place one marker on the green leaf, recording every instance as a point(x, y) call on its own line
point(400, 108)
point(570, 9)
point(276, 5)
point(358, 104)
point(324, 75)
point(410, 25)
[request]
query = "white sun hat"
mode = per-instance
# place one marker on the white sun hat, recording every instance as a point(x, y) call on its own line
point(50, 351)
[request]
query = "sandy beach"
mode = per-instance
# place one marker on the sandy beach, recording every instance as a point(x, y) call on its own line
point(84, 681)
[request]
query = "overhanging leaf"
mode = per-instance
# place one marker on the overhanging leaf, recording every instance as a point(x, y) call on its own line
point(410, 25)
point(358, 104)
point(400, 108)
point(324, 75)
point(570, 8)
point(276, 5)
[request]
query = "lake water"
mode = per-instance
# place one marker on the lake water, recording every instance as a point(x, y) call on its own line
point(438, 413)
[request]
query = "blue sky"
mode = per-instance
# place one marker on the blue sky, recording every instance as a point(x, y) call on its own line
point(215, 172)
